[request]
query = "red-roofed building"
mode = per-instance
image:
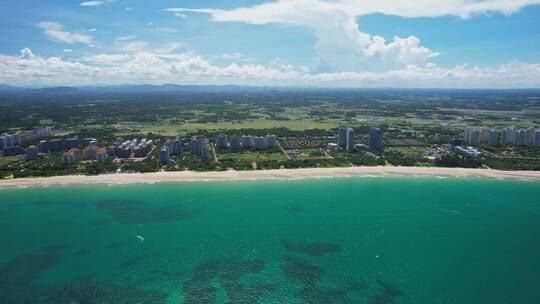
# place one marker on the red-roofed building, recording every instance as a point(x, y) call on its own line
point(101, 155)
point(67, 158)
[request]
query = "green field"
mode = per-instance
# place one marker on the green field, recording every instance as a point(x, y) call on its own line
point(8, 160)
point(251, 155)
point(184, 128)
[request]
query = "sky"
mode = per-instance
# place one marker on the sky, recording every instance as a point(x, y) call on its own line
point(319, 43)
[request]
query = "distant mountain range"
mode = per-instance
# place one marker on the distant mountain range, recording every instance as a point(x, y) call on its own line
point(166, 88)
point(174, 88)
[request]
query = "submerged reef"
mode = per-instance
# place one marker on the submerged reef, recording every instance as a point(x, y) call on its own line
point(129, 212)
point(312, 249)
point(200, 290)
point(17, 287)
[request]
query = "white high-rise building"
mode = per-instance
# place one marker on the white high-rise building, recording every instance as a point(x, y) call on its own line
point(8, 140)
point(222, 141)
point(467, 135)
point(235, 142)
point(484, 135)
point(205, 151)
point(508, 135)
point(271, 141)
point(536, 141)
point(492, 138)
point(247, 142)
point(164, 156)
point(17, 139)
point(44, 131)
point(520, 139)
point(375, 139)
point(475, 137)
point(174, 146)
point(530, 136)
point(260, 142)
point(346, 138)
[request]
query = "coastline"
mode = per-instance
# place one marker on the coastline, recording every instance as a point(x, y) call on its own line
point(306, 173)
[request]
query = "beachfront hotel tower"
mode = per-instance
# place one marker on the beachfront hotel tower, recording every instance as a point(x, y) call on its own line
point(375, 139)
point(222, 141)
point(346, 138)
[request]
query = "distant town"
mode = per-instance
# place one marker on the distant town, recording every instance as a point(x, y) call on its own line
point(164, 153)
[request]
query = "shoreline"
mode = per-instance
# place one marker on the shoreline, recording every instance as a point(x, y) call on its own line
point(231, 175)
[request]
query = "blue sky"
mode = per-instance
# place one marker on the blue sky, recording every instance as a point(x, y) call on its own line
point(353, 43)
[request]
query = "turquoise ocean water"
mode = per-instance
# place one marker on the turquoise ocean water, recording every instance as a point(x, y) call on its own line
point(346, 240)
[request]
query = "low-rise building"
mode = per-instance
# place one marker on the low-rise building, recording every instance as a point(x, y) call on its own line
point(468, 151)
point(67, 158)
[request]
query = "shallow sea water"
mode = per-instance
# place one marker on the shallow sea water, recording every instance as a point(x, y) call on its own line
point(344, 240)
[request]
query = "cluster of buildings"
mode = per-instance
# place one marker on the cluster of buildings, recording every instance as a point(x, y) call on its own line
point(246, 142)
point(91, 152)
point(9, 144)
point(510, 135)
point(44, 131)
point(134, 148)
point(200, 146)
point(467, 151)
point(346, 139)
point(172, 147)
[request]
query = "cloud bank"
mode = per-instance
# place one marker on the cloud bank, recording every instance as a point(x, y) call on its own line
point(188, 68)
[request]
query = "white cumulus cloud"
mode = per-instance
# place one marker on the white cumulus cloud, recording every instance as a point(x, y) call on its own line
point(154, 68)
point(105, 58)
point(341, 45)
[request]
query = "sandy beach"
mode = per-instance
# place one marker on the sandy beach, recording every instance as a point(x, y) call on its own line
point(179, 176)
